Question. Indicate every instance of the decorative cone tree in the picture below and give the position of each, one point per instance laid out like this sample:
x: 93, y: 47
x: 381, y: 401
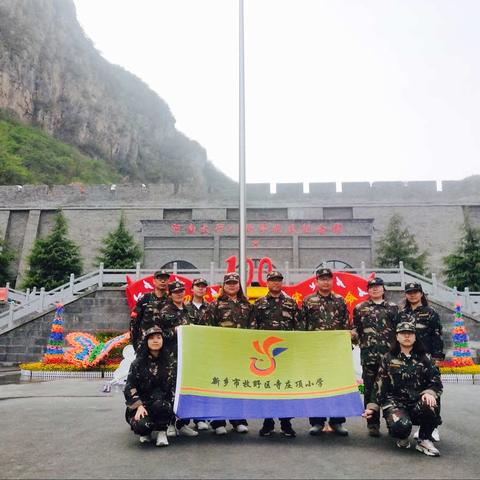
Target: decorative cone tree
x: 54, y: 353
x: 462, y: 355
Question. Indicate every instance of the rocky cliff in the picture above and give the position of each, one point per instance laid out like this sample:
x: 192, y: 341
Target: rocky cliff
x: 52, y: 76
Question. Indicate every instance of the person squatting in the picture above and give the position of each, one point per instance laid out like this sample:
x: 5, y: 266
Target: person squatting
x: 399, y: 350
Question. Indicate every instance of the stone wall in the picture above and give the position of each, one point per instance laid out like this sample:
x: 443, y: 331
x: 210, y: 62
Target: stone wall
x: 433, y: 216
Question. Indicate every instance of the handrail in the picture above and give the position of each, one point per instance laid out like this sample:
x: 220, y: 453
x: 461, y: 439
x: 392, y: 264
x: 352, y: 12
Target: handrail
x: 24, y: 304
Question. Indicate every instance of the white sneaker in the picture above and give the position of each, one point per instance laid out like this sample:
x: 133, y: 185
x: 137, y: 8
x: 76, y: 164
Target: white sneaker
x: 145, y: 438
x: 202, y: 425
x: 171, y: 432
x: 415, y: 435
x: 403, y: 443
x: 186, y: 431
x: 162, y: 440
x: 316, y: 429
x: 241, y: 429
x: 220, y: 431
x: 436, y: 435
x: 428, y: 448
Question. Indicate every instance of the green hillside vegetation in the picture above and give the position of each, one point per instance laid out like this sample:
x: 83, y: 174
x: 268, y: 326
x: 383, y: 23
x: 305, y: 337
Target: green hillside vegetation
x: 28, y: 155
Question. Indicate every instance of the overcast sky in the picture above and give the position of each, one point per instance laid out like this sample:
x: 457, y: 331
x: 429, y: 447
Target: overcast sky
x: 336, y: 90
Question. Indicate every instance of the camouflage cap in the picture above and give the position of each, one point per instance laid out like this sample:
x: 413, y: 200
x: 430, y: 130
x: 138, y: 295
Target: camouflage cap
x: 199, y: 281
x: 274, y: 274
x: 413, y: 287
x: 161, y: 273
x: 153, y: 330
x: 406, y: 327
x: 323, y: 272
x: 231, y: 277
x: 376, y: 281
x: 176, y: 286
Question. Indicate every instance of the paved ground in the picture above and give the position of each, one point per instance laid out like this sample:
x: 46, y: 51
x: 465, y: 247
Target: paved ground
x: 69, y: 429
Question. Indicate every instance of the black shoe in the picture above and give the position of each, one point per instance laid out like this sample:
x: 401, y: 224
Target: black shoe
x: 339, y: 429
x: 316, y: 429
x: 266, y: 431
x: 288, y: 431
x: 374, y: 430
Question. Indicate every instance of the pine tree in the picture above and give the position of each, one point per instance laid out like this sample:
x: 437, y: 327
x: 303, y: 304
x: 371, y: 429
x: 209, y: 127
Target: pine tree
x: 398, y: 244
x: 463, y: 266
x: 120, y: 248
x: 53, y: 258
x: 6, y: 257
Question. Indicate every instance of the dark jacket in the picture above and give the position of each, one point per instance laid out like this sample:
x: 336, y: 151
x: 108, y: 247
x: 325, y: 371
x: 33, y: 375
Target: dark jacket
x: 429, y: 328
x: 275, y: 313
x: 374, y: 324
x: 402, y: 380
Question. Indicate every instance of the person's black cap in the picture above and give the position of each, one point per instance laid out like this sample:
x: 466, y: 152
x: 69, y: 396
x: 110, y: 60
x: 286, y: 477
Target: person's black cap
x: 413, y: 287
x: 323, y: 272
x: 274, y: 275
x: 176, y: 286
x: 406, y: 327
x: 153, y: 330
x: 162, y: 273
x: 377, y: 281
x: 231, y: 277
x: 199, y: 281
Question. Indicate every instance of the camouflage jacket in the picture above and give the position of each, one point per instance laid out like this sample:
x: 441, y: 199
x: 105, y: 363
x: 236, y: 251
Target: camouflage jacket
x: 374, y: 324
x: 402, y: 380
x: 324, y: 313
x: 225, y: 312
x: 171, y: 317
x: 145, y: 315
x: 275, y: 313
x: 148, y: 380
x: 429, y: 328
x: 197, y: 315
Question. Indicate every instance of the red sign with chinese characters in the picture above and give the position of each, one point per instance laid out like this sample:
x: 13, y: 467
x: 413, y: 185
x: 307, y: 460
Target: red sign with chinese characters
x: 256, y: 229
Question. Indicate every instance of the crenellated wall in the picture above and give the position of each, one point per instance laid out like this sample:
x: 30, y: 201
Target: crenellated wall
x: 42, y: 196
x: 433, y: 215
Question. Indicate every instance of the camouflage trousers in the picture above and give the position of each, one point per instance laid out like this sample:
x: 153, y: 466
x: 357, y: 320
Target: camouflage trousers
x: 369, y: 373
x: 401, y: 418
x: 159, y: 414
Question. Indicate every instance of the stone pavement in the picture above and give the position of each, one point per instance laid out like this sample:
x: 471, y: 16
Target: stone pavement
x: 70, y: 429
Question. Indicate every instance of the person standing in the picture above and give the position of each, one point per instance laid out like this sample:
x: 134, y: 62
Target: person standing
x: 173, y: 315
x: 197, y: 307
x: 427, y: 324
x: 373, y: 328
x: 230, y: 310
x: 197, y: 310
x: 408, y: 388
x: 148, y: 390
x: 275, y: 311
x: 147, y: 310
x: 325, y: 310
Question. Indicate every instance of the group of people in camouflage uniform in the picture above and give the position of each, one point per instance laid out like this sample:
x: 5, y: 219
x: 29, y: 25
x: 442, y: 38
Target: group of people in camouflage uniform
x: 399, y: 375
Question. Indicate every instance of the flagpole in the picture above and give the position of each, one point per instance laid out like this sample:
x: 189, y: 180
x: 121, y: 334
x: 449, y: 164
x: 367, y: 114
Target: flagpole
x: 241, y: 162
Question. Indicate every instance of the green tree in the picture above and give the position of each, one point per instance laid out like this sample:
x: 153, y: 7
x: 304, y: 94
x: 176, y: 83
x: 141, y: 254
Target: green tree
x: 120, y: 249
x: 6, y: 257
x: 398, y: 244
x: 53, y: 258
x: 463, y: 266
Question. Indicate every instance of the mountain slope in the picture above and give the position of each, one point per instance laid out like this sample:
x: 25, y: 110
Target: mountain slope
x: 28, y: 155
x: 52, y: 76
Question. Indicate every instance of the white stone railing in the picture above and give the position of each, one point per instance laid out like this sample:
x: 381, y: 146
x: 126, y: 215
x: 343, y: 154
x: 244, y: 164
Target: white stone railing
x: 23, y: 305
